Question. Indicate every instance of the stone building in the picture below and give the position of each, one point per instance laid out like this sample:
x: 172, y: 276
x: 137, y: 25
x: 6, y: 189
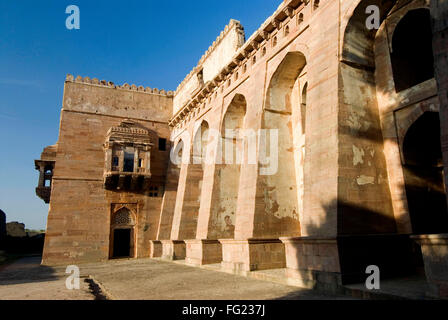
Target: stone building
x: 359, y: 177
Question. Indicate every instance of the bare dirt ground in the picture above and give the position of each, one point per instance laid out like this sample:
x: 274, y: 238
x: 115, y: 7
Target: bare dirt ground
x: 142, y: 279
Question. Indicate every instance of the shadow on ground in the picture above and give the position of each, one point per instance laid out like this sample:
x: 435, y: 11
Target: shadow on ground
x: 24, y: 270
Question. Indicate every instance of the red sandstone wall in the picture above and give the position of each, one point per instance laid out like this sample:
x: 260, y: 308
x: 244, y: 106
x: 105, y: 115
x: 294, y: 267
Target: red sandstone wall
x: 78, y: 224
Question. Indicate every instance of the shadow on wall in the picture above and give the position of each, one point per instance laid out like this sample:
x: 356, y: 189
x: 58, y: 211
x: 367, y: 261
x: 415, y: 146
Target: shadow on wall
x: 368, y: 237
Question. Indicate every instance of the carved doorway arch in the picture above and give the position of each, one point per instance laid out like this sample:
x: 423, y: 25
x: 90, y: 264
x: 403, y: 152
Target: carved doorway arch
x: 122, y: 234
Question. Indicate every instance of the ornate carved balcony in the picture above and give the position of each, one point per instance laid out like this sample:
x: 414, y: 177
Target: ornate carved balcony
x: 127, y: 157
x: 45, y: 166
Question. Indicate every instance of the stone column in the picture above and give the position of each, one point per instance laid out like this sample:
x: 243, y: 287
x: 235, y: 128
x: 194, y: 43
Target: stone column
x: 41, y: 176
x: 136, y: 155
x: 121, y: 160
x: 147, y: 160
x: 108, y: 158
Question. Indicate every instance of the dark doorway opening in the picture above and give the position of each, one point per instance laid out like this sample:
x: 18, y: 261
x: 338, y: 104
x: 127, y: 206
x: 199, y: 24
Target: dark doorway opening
x: 122, y: 243
x: 412, y: 54
x: 423, y: 171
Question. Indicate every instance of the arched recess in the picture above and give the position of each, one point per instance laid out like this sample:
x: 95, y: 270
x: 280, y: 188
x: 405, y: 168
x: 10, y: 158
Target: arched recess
x: 364, y: 203
x: 170, y: 194
x: 278, y: 215
x: 402, y: 65
x: 227, y: 170
x: 177, y: 153
x: 423, y: 172
x: 122, y: 235
x: 193, y: 182
x: 358, y: 40
x: 412, y: 56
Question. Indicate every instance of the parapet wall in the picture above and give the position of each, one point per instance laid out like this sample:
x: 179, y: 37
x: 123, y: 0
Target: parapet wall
x: 127, y: 101
x: 211, y: 63
x: 110, y: 84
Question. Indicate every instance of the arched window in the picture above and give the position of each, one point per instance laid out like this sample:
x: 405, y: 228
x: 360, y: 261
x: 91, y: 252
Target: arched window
x: 412, y: 56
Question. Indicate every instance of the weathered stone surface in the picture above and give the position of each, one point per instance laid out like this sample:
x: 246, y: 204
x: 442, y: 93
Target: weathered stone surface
x: 358, y: 139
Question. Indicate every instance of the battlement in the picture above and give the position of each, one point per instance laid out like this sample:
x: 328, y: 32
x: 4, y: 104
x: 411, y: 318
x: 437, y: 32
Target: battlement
x: 233, y: 23
x: 110, y: 84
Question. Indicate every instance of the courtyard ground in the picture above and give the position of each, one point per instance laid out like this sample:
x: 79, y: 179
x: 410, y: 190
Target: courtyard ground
x: 139, y: 279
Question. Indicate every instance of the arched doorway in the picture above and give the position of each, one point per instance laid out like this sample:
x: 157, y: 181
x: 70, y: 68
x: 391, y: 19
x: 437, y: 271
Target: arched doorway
x: 122, y: 234
x: 423, y: 172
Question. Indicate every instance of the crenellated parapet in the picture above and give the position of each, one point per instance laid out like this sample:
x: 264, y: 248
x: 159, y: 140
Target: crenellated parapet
x: 110, y: 84
x: 276, y: 26
x: 233, y: 23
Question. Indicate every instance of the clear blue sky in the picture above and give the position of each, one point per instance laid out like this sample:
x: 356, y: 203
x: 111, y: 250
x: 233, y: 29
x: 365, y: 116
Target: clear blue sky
x: 142, y: 42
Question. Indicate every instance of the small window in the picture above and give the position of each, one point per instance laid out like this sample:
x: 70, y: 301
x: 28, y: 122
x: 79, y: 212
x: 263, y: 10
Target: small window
x: 153, y: 192
x: 140, y: 163
x: 162, y: 144
x: 200, y: 76
x: 115, y: 161
x: 47, y: 183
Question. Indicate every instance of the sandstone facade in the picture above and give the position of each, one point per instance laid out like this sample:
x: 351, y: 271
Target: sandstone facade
x: 360, y: 126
